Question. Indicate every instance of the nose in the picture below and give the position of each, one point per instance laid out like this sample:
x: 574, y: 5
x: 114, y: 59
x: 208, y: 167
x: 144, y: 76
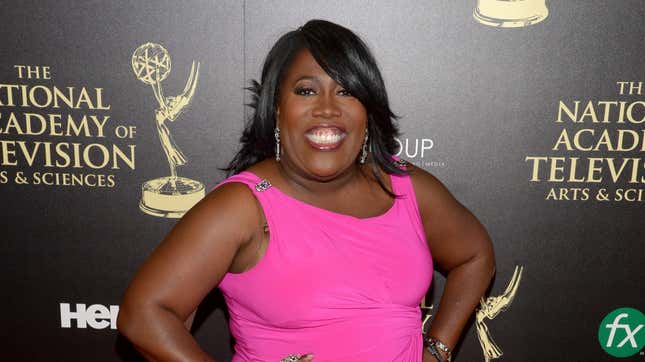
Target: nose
x: 327, y: 106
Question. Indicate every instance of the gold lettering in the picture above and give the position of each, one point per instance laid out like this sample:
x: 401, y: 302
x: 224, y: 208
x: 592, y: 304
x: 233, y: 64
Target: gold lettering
x: 34, y: 100
x: 77, y: 155
x: 621, y: 113
x: 68, y: 100
x: 536, y: 166
x: 99, y: 100
x: 620, y: 143
x: 573, y: 115
x: 54, y: 123
x: 8, y: 152
x: 593, y: 170
x: 63, y: 154
x: 12, y: 123
x: 29, y: 156
x: 9, y: 88
x: 48, y: 154
x: 572, y: 171
x: 576, y: 139
x: 119, y: 154
x: 76, y: 128
x: 551, y: 195
x: 630, y: 114
x: 104, y: 153
x: 28, y: 123
x: 556, y: 168
x: 604, y: 140
x: 99, y: 124
x: 612, y: 168
x: 589, y: 112
x: 85, y: 99
x: 607, y: 109
x: 563, y: 138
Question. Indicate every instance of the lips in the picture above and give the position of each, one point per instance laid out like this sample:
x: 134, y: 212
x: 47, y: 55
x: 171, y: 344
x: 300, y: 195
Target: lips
x: 325, y: 137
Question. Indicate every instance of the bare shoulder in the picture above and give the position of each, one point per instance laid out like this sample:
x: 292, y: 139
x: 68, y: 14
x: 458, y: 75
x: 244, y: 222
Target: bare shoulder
x: 231, y: 204
x: 224, y: 221
x: 234, y: 194
x: 212, y: 231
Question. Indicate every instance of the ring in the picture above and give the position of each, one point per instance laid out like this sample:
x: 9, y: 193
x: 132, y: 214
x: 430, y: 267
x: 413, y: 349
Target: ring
x: 291, y: 358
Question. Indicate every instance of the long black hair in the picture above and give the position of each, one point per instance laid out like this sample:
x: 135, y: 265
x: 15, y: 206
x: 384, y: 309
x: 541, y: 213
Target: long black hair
x: 348, y: 61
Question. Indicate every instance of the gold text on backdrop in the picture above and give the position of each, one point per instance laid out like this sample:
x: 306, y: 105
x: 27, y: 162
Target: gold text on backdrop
x: 598, y: 150
x: 60, y: 135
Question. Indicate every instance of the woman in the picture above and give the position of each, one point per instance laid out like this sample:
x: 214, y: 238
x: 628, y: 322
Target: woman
x: 321, y: 240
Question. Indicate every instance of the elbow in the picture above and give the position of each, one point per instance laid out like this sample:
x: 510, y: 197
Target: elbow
x: 483, y: 261
x: 131, y: 320
x: 491, y: 269
x: 488, y: 256
x: 125, y: 320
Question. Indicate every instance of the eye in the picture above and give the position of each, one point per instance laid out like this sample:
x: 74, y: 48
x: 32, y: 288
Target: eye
x: 344, y: 92
x: 304, y: 91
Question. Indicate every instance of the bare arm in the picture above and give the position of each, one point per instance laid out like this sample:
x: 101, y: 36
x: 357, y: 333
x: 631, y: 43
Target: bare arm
x: 461, y: 248
x: 189, y: 262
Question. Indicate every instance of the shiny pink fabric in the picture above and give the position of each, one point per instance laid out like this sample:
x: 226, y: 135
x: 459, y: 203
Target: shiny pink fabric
x: 340, y: 287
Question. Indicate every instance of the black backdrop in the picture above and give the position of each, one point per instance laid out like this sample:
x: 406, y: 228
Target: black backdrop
x: 489, y: 110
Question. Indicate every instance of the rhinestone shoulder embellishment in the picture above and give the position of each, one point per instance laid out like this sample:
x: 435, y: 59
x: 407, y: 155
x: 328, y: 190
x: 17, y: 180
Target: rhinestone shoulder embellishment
x: 400, y: 163
x: 262, y: 185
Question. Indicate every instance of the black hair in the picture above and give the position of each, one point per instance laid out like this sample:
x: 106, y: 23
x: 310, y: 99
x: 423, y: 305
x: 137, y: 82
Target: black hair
x: 347, y: 60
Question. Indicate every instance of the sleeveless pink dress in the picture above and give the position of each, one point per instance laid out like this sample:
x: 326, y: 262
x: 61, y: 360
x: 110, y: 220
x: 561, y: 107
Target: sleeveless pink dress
x: 340, y: 287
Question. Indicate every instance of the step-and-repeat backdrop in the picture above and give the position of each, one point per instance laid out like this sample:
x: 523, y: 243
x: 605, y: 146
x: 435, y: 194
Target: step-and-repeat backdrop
x: 115, y: 118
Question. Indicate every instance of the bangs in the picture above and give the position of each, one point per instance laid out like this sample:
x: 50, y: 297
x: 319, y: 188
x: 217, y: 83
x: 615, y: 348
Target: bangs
x: 345, y: 58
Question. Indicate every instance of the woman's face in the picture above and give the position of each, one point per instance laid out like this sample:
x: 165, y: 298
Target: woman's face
x: 322, y: 126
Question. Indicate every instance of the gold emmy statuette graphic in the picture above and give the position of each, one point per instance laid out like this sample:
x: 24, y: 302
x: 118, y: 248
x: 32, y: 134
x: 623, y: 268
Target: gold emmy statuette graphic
x: 490, y: 308
x: 428, y: 309
x: 169, y: 196
x: 510, y: 13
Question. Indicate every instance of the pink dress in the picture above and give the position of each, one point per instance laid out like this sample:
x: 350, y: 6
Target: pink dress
x: 340, y: 287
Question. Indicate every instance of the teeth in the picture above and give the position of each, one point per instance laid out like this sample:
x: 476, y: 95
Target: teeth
x: 323, y: 136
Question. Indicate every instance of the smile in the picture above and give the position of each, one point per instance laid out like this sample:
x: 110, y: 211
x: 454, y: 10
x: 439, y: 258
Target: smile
x: 325, y: 138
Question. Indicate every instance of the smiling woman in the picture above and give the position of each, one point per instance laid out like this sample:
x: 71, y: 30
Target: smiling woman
x: 322, y: 125
x: 306, y: 66
x: 321, y: 241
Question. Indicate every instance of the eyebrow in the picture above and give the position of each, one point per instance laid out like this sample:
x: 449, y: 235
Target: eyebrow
x: 307, y: 77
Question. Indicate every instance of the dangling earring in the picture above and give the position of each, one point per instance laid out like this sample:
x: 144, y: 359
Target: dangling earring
x: 364, y: 150
x: 276, y: 133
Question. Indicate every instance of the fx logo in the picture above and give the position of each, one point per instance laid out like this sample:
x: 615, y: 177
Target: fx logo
x: 620, y: 333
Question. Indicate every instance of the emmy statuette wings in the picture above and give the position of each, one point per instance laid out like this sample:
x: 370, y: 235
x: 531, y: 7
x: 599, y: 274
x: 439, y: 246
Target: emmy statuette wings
x: 490, y: 308
x: 170, y: 196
